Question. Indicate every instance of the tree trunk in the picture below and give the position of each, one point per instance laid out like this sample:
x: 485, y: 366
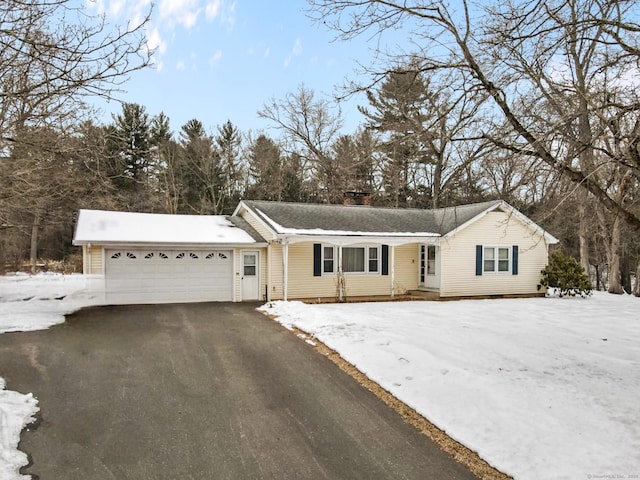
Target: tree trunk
x: 615, y: 286
x: 437, y: 182
x: 625, y: 272
x: 583, y: 231
x: 636, y: 288
x: 35, y: 230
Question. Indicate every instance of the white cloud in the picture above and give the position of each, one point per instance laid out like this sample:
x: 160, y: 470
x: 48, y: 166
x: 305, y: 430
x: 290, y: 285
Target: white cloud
x: 212, y: 10
x: 213, y: 59
x: 297, y: 47
x: 182, y: 12
x: 180, y: 66
x: 266, y: 52
x: 155, y: 41
x: 116, y: 7
x: 295, y: 52
x: 95, y: 6
x: 166, y: 18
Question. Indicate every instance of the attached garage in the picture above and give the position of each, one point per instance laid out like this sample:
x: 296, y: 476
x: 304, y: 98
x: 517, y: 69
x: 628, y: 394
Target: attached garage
x: 157, y: 258
x: 168, y: 276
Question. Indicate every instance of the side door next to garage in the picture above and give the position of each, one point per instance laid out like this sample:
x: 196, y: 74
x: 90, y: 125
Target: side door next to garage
x: 168, y: 276
x: 250, y: 275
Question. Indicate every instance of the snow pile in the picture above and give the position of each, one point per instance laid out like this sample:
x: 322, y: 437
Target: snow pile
x: 31, y: 302
x: 540, y: 388
x: 34, y: 302
x: 16, y: 412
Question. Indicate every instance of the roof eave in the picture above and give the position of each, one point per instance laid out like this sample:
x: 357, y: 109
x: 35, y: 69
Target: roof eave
x: 352, y: 239
x: 189, y: 245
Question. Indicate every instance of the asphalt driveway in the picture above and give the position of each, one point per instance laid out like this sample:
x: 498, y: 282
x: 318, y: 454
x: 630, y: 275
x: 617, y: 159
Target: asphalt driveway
x: 202, y: 391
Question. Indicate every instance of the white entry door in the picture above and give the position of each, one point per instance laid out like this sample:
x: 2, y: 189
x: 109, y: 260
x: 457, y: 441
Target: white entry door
x: 250, y: 276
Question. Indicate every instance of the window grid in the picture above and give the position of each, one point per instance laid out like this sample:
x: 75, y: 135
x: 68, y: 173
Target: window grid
x: 496, y: 259
x: 355, y: 259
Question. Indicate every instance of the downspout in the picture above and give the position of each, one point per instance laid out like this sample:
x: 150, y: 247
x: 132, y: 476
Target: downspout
x: 285, y: 269
x: 268, y: 299
x: 393, y: 270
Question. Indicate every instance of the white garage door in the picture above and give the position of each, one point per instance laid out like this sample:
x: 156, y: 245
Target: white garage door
x: 168, y: 276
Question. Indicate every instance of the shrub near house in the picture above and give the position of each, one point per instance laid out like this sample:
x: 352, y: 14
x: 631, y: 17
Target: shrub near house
x: 567, y: 275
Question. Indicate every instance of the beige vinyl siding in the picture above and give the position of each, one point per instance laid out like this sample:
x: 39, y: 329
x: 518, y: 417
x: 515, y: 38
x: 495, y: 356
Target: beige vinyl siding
x: 257, y: 225
x: 92, y: 260
x: 275, y: 265
x: 302, y: 283
x: 458, y: 258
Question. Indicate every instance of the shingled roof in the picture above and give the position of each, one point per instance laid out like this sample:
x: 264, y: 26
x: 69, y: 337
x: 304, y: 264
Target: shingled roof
x: 338, y: 219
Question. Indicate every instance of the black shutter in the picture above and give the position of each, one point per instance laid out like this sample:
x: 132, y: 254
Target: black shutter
x: 514, y: 260
x: 478, y: 259
x: 385, y: 259
x: 317, y: 260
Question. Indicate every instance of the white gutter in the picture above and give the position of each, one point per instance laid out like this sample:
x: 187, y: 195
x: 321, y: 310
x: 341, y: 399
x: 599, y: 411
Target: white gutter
x: 431, y: 239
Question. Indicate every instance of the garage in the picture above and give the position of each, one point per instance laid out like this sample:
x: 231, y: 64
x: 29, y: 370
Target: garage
x: 135, y: 258
x: 168, y: 276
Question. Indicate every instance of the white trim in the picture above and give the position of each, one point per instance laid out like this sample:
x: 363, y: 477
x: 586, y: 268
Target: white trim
x: 392, y: 257
x: 240, y: 206
x: 509, y: 270
x: 337, y: 259
x: 285, y: 270
x: 234, y: 275
x: 255, y: 216
x: 421, y: 283
x: 509, y: 210
x: 175, y: 246
x: 348, y: 240
x: 268, y: 281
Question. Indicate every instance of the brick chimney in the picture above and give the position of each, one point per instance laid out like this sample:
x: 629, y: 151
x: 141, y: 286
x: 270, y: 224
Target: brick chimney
x: 355, y: 198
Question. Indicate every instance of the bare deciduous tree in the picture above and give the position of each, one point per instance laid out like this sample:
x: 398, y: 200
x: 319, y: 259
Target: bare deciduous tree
x: 53, y: 54
x: 501, y: 50
x: 309, y: 128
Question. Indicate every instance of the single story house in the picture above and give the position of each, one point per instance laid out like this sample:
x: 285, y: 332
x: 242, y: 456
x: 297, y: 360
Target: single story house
x: 277, y: 250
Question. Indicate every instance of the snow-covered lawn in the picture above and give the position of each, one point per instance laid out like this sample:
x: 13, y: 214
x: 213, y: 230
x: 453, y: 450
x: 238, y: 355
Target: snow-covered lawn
x: 543, y: 388
x: 30, y: 303
x: 540, y: 388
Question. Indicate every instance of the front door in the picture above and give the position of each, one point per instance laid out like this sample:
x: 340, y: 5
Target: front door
x: 250, y: 276
x: 429, y: 276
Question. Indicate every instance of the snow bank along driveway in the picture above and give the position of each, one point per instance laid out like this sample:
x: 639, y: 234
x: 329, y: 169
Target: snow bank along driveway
x: 543, y: 388
x: 30, y: 303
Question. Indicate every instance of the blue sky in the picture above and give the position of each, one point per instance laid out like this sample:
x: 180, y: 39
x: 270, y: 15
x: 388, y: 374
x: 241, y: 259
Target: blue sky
x: 219, y: 59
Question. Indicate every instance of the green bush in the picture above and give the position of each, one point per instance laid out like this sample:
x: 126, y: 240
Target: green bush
x: 567, y: 275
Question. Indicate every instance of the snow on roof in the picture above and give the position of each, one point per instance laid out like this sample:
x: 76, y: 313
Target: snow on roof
x: 101, y: 226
